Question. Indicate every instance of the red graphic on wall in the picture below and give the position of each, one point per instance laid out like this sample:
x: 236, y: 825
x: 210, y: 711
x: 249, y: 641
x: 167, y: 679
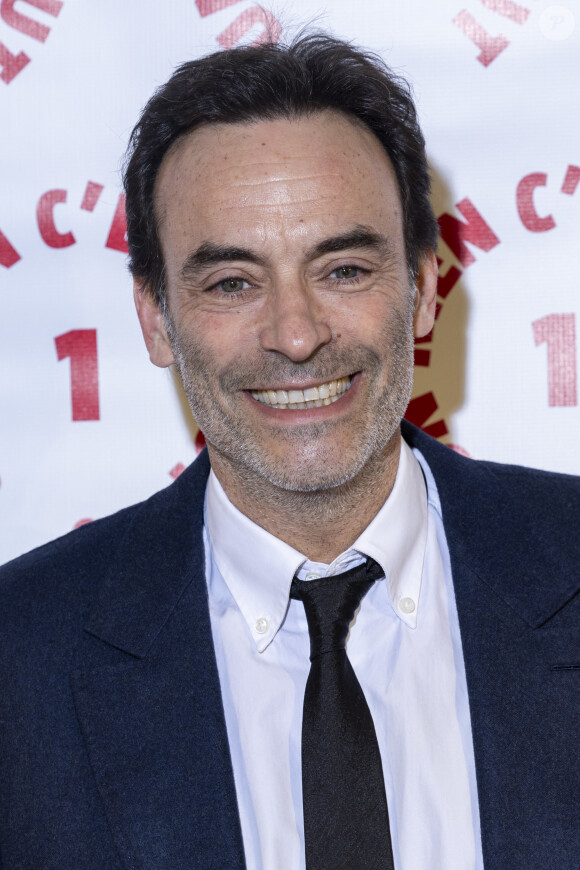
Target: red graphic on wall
x: 525, y: 201
x: 117, y: 239
x: 47, y: 222
x: 91, y: 196
x: 8, y: 253
x: 269, y: 26
x: 177, y: 470
x: 477, y: 232
x: 12, y: 64
x: 571, y: 180
x: 199, y: 441
x: 27, y: 25
x: 558, y: 331
x: 45, y: 219
x: 456, y: 234
x: 80, y: 346
x: 420, y: 409
x: 490, y: 47
x: 208, y: 7
x: 80, y: 523
x: 511, y: 10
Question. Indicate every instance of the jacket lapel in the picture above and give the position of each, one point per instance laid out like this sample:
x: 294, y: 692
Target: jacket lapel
x: 515, y: 575
x: 511, y: 526
x: 148, y: 698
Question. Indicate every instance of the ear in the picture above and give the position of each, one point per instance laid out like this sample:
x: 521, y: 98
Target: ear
x: 426, y: 294
x: 152, y: 325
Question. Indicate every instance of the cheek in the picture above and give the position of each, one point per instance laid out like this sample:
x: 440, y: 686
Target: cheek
x: 217, y: 343
x: 359, y: 319
x: 384, y: 326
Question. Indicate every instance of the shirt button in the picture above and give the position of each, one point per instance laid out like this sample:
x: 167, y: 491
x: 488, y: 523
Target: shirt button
x: 407, y: 605
x: 262, y: 625
x: 312, y: 575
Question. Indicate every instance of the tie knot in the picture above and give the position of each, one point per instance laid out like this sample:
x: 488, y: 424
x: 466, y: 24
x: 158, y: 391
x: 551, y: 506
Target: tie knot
x: 330, y: 604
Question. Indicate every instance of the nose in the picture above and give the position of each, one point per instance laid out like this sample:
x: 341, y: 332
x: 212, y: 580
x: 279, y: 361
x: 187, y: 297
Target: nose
x: 295, y: 323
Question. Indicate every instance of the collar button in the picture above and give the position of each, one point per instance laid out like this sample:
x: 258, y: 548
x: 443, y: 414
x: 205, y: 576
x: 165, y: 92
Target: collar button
x: 262, y: 625
x: 312, y: 575
x: 406, y: 605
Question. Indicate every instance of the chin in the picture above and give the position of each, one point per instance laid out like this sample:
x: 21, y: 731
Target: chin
x: 301, y: 482
x: 321, y: 472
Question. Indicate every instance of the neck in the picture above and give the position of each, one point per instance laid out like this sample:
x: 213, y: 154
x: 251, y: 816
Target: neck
x: 320, y: 524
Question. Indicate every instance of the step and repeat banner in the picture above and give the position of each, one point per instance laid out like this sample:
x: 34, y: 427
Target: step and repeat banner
x: 88, y: 425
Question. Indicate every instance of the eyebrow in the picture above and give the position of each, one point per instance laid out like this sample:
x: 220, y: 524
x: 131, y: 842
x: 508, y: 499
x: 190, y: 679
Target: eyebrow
x: 209, y: 254
x: 359, y: 237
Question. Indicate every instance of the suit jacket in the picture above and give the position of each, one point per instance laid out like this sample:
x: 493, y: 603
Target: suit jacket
x: 113, y: 745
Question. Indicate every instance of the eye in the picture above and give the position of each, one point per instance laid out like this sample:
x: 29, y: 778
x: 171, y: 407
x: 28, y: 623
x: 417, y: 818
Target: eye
x: 231, y: 285
x: 346, y: 273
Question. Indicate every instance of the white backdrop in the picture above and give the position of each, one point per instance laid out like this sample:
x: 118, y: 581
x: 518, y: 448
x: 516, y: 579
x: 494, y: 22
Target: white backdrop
x: 88, y: 425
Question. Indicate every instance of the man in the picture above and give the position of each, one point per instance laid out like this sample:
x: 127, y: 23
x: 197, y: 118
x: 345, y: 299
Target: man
x: 160, y: 709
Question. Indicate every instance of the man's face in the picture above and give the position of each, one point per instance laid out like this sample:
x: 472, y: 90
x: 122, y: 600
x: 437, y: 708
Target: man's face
x: 290, y: 309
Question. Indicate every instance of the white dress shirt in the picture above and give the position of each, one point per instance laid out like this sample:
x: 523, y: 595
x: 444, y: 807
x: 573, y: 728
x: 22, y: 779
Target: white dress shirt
x: 405, y: 648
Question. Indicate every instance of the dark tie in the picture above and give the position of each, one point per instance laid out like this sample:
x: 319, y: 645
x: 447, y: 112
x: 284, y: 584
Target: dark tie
x: 346, y: 821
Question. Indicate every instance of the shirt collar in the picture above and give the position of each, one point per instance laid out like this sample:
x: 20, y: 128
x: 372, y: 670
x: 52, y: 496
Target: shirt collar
x: 258, y: 568
x: 397, y: 537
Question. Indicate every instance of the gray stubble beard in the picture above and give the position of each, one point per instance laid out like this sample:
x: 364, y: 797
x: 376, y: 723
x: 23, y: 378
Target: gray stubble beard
x: 244, y: 456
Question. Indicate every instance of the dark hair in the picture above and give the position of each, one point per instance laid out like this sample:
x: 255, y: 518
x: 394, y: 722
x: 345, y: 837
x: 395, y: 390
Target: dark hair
x: 263, y: 82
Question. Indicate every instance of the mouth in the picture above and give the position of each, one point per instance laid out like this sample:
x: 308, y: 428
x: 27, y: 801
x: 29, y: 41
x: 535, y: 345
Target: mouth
x: 311, y: 397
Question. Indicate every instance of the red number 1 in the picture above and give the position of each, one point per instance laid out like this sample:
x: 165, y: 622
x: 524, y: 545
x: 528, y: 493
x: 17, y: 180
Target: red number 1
x: 80, y: 345
x: 558, y: 331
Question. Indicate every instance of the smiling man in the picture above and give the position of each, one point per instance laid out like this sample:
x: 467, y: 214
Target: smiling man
x: 326, y: 645
x: 290, y: 313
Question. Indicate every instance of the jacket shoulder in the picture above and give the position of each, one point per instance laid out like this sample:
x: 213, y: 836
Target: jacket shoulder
x: 515, y: 527
x: 465, y: 471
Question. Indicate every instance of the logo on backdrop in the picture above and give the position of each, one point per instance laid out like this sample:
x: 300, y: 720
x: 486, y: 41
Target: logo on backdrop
x: 555, y: 23
x: 11, y: 64
x: 255, y: 22
x: 558, y: 331
x: 490, y: 45
x: 46, y: 221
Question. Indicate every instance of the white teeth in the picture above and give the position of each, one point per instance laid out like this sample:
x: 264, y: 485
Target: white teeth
x: 312, y: 397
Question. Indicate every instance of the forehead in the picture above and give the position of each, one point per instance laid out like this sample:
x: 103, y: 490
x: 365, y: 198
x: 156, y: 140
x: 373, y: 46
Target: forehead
x: 311, y: 170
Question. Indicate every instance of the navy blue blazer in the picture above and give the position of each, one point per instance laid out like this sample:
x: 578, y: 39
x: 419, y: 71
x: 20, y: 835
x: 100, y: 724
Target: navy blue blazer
x: 113, y: 745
